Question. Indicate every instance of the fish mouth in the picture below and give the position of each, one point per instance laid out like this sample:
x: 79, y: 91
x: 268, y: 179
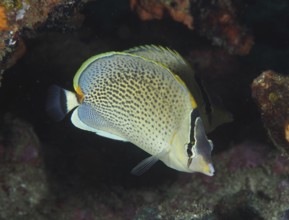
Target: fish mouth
x: 211, y: 170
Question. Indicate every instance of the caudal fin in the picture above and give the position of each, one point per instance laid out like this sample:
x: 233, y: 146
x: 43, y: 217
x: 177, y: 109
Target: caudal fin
x: 60, y: 102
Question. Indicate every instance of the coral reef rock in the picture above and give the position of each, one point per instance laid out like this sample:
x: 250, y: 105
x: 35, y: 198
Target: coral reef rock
x: 23, y: 183
x: 179, y: 10
x: 216, y: 20
x: 19, y: 15
x: 271, y: 91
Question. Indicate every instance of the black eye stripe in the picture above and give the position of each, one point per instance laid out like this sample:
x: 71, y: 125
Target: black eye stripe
x: 194, y: 115
x: 189, y: 162
x: 189, y: 149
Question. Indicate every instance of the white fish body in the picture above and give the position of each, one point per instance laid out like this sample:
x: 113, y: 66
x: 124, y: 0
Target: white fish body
x: 129, y: 97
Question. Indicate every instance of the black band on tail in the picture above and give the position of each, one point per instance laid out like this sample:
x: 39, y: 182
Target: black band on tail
x: 56, y: 105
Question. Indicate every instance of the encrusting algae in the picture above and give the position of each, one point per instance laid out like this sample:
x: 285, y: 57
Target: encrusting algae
x: 3, y: 19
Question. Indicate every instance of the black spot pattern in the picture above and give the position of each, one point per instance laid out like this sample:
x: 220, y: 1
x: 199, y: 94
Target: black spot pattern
x: 139, y: 98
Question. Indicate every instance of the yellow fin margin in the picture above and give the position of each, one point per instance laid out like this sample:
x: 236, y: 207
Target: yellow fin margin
x: 93, y: 58
x: 193, y: 101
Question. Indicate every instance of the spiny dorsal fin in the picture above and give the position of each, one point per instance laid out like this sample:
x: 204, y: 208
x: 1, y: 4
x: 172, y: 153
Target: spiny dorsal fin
x: 163, y: 55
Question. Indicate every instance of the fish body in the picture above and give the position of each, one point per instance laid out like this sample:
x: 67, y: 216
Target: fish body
x: 138, y: 96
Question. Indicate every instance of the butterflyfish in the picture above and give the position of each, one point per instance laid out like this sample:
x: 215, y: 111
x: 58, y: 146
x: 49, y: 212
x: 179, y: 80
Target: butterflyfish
x: 139, y: 96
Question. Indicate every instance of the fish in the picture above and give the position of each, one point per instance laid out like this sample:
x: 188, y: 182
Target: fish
x: 139, y: 96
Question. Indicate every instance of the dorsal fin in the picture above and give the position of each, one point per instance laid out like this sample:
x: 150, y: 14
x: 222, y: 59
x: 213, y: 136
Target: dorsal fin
x: 165, y: 56
x: 185, y: 75
x: 172, y: 60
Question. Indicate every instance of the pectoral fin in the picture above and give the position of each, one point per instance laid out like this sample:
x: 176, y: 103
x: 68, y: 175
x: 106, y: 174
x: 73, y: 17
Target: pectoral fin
x: 144, y: 165
x: 147, y: 163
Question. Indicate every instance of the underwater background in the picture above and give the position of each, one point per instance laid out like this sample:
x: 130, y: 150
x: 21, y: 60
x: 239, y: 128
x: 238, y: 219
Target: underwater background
x: 239, y: 50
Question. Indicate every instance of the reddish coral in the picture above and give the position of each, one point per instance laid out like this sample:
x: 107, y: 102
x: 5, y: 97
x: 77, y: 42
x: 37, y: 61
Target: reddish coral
x: 217, y: 20
x: 221, y: 25
x: 151, y: 9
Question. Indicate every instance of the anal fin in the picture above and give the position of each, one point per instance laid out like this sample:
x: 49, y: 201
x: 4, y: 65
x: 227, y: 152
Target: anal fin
x: 87, y: 119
